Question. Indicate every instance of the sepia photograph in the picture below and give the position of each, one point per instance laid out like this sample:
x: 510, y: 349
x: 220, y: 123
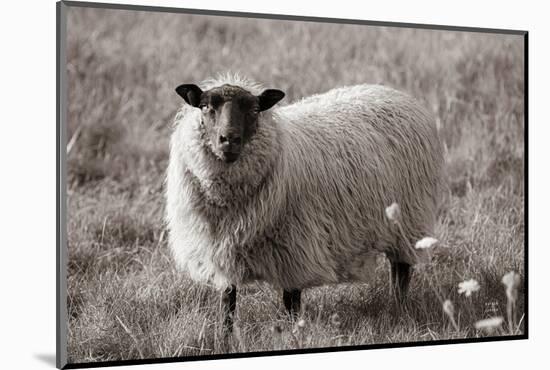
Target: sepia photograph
x: 241, y: 185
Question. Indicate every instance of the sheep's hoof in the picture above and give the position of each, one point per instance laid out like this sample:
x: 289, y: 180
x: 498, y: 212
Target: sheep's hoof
x: 401, y: 277
x: 229, y: 303
x: 292, y: 301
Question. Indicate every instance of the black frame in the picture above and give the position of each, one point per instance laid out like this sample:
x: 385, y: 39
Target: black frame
x: 61, y: 235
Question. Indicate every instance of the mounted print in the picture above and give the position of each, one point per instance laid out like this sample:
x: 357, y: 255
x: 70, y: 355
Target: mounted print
x: 234, y: 184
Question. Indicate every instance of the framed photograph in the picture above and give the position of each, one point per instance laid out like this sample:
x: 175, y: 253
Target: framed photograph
x: 236, y: 184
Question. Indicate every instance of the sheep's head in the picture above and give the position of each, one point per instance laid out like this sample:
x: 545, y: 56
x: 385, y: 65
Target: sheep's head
x: 229, y: 115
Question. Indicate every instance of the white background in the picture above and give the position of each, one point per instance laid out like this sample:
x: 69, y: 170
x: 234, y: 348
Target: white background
x: 27, y: 203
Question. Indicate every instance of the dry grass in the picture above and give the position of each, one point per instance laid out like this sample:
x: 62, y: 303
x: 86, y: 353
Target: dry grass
x: 126, y: 300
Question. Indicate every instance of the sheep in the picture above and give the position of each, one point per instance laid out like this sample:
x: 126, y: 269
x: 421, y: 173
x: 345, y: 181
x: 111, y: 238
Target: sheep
x: 295, y: 195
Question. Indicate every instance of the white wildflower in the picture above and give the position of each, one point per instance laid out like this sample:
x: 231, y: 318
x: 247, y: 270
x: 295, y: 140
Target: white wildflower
x: 301, y: 324
x: 468, y: 287
x: 511, y: 280
x: 449, y: 308
x: 393, y: 212
x: 489, y: 325
x: 425, y: 243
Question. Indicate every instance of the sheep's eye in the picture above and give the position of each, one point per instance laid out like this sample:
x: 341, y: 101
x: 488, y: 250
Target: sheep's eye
x: 207, y: 109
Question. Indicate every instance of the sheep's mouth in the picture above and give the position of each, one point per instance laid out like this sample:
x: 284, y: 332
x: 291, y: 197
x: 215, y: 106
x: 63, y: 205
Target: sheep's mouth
x: 230, y: 157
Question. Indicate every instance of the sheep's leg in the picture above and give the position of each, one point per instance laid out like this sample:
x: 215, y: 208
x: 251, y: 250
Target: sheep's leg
x: 401, y: 277
x: 292, y: 300
x: 229, y: 302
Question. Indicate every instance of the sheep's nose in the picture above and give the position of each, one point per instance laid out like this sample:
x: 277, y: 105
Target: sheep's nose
x: 230, y: 140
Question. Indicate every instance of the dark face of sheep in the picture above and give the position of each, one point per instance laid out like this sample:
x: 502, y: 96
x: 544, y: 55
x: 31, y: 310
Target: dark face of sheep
x: 229, y: 115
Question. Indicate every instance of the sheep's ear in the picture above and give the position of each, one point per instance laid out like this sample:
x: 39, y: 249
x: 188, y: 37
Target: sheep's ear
x: 269, y: 98
x: 190, y: 93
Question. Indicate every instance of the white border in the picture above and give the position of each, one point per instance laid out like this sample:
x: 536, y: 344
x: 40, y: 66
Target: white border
x: 28, y: 181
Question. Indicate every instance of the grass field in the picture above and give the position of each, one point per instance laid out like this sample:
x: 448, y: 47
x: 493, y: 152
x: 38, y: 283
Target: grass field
x: 125, y: 298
